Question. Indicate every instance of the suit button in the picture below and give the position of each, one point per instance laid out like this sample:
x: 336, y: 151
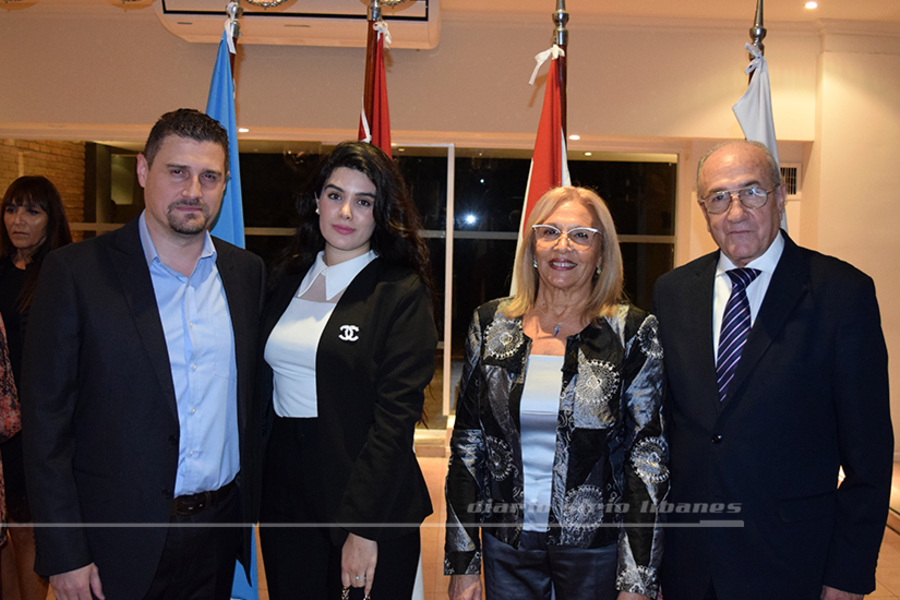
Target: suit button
x: 717, y: 438
x: 167, y: 493
x: 173, y: 439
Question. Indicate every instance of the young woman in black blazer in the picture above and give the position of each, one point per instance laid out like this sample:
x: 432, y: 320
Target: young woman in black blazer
x: 349, y: 350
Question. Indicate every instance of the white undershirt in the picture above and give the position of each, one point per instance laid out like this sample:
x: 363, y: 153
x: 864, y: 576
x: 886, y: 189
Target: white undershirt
x: 538, y: 413
x: 756, y: 291
x: 292, y: 345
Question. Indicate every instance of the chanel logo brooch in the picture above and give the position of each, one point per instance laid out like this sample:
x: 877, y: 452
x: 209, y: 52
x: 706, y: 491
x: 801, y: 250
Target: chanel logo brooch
x: 348, y: 333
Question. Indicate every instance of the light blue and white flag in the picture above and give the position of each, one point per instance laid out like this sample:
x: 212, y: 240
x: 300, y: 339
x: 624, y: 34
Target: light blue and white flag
x: 229, y: 225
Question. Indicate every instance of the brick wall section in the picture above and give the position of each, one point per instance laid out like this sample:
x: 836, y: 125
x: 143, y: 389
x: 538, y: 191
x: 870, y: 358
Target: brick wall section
x: 60, y: 162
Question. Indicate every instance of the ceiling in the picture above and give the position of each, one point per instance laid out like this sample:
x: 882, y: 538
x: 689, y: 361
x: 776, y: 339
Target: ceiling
x: 886, y: 11
x: 775, y: 10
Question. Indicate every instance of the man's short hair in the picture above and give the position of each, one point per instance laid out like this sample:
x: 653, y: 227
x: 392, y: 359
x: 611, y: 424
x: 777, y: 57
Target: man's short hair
x: 190, y: 124
x: 774, y: 167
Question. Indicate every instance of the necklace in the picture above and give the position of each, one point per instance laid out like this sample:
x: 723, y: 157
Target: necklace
x: 558, y: 323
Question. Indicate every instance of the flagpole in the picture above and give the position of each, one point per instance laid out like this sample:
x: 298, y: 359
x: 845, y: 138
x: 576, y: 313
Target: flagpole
x: 561, y: 38
x: 758, y: 32
x: 373, y: 15
x: 234, y: 12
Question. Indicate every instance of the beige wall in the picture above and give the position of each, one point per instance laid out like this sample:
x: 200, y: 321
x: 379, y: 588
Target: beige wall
x: 647, y: 86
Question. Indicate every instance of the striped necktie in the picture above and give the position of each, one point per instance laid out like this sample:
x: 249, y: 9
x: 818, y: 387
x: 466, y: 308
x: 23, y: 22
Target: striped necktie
x: 735, y: 327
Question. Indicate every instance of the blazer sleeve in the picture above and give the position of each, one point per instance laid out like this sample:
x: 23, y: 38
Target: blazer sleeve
x: 50, y: 394
x: 404, y: 369
x: 465, y: 489
x: 646, y: 474
x: 865, y: 442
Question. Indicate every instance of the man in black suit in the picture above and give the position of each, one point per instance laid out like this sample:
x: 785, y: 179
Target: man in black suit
x: 138, y: 371
x: 760, y: 423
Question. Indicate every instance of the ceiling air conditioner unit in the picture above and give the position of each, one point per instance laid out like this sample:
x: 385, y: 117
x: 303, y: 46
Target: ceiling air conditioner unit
x: 414, y: 24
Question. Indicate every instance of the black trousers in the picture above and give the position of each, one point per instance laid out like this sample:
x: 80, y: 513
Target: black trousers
x: 198, y: 562
x: 300, y: 559
x: 538, y: 571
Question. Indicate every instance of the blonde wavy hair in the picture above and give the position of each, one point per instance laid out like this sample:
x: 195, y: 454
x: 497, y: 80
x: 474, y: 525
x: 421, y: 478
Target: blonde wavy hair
x: 606, y: 292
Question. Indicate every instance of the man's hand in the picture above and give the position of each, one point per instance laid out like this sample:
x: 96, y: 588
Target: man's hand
x: 77, y: 584
x: 465, y: 587
x: 631, y: 596
x: 358, y: 559
x: 829, y: 593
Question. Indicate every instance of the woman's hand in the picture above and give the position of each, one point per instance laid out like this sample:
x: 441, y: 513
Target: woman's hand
x: 631, y: 596
x: 465, y: 587
x: 358, y: 558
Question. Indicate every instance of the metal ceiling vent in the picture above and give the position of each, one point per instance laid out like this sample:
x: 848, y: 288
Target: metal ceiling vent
x: 414, y: 24
x: 790, y: 175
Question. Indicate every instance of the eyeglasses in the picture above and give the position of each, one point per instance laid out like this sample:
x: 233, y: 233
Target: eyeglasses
x: 582, y: 237
x: 752, y: 197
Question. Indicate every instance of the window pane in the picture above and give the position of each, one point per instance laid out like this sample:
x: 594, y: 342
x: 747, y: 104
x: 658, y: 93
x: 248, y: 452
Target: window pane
x: 269, y: 183
x: 426, y: 177
x: 640, y: 195
x: 643, y: 264
x: 481, y: 272
x: 490, y: 192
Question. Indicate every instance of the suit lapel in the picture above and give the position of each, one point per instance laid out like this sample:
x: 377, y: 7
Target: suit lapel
x: 127, y: 256
x: 700, y: 325
x: 240, y: 315
x: 788, y: 285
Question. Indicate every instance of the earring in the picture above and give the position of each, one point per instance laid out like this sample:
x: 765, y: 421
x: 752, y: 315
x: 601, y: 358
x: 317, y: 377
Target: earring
x: 317, y: 210
x: 535, y: 263
x: 599, y: 269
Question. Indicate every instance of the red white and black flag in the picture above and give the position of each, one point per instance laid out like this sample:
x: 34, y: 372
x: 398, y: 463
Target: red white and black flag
x: 549, y: 165
x: 375, y: 120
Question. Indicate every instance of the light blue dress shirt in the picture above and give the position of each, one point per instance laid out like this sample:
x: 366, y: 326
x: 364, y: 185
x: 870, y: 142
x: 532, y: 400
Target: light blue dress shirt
x: 200, y: 341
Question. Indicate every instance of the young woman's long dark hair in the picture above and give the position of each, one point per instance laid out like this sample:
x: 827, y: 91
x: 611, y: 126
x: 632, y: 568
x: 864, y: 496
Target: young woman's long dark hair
x: 35, y: 190
x: 397, y: 223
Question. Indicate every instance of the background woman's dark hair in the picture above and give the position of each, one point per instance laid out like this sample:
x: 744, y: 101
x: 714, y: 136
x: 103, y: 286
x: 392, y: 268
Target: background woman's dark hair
x: 397, y: 223
x: 35, y: 190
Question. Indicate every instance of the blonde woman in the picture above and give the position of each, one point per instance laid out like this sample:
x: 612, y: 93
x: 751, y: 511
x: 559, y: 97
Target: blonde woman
x: 558, y: 455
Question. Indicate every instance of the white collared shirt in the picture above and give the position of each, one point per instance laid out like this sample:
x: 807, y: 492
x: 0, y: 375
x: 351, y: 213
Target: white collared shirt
x: 292, y: 345
x: 756, y: 291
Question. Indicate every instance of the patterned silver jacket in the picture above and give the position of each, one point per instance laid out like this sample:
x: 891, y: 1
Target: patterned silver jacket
x: 610, y: 466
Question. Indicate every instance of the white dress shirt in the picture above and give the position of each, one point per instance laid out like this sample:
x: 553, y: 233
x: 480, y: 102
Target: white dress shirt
x: 756, y: 291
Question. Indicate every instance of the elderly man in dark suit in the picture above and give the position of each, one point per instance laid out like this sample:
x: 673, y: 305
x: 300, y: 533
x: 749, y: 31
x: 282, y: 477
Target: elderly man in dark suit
x: 138, y: 372
x: 777, y: 378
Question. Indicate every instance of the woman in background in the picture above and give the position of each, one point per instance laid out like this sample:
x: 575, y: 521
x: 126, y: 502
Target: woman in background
x: 34, y: 223
x: 350, y: 341
x: 557, y: 454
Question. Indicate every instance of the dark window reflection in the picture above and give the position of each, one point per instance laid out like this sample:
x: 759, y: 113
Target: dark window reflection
x: 426, y: 177
x: 482, y: 271
x: 644, y: 264
x: 269, y: 183
x: 640, y: 196
x: 490, y: 192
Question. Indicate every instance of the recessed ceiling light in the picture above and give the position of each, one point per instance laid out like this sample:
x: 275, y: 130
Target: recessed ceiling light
x: 574, y: 136
x: 243, y: 130
x: 812, y: 5
x: 588, y: 153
